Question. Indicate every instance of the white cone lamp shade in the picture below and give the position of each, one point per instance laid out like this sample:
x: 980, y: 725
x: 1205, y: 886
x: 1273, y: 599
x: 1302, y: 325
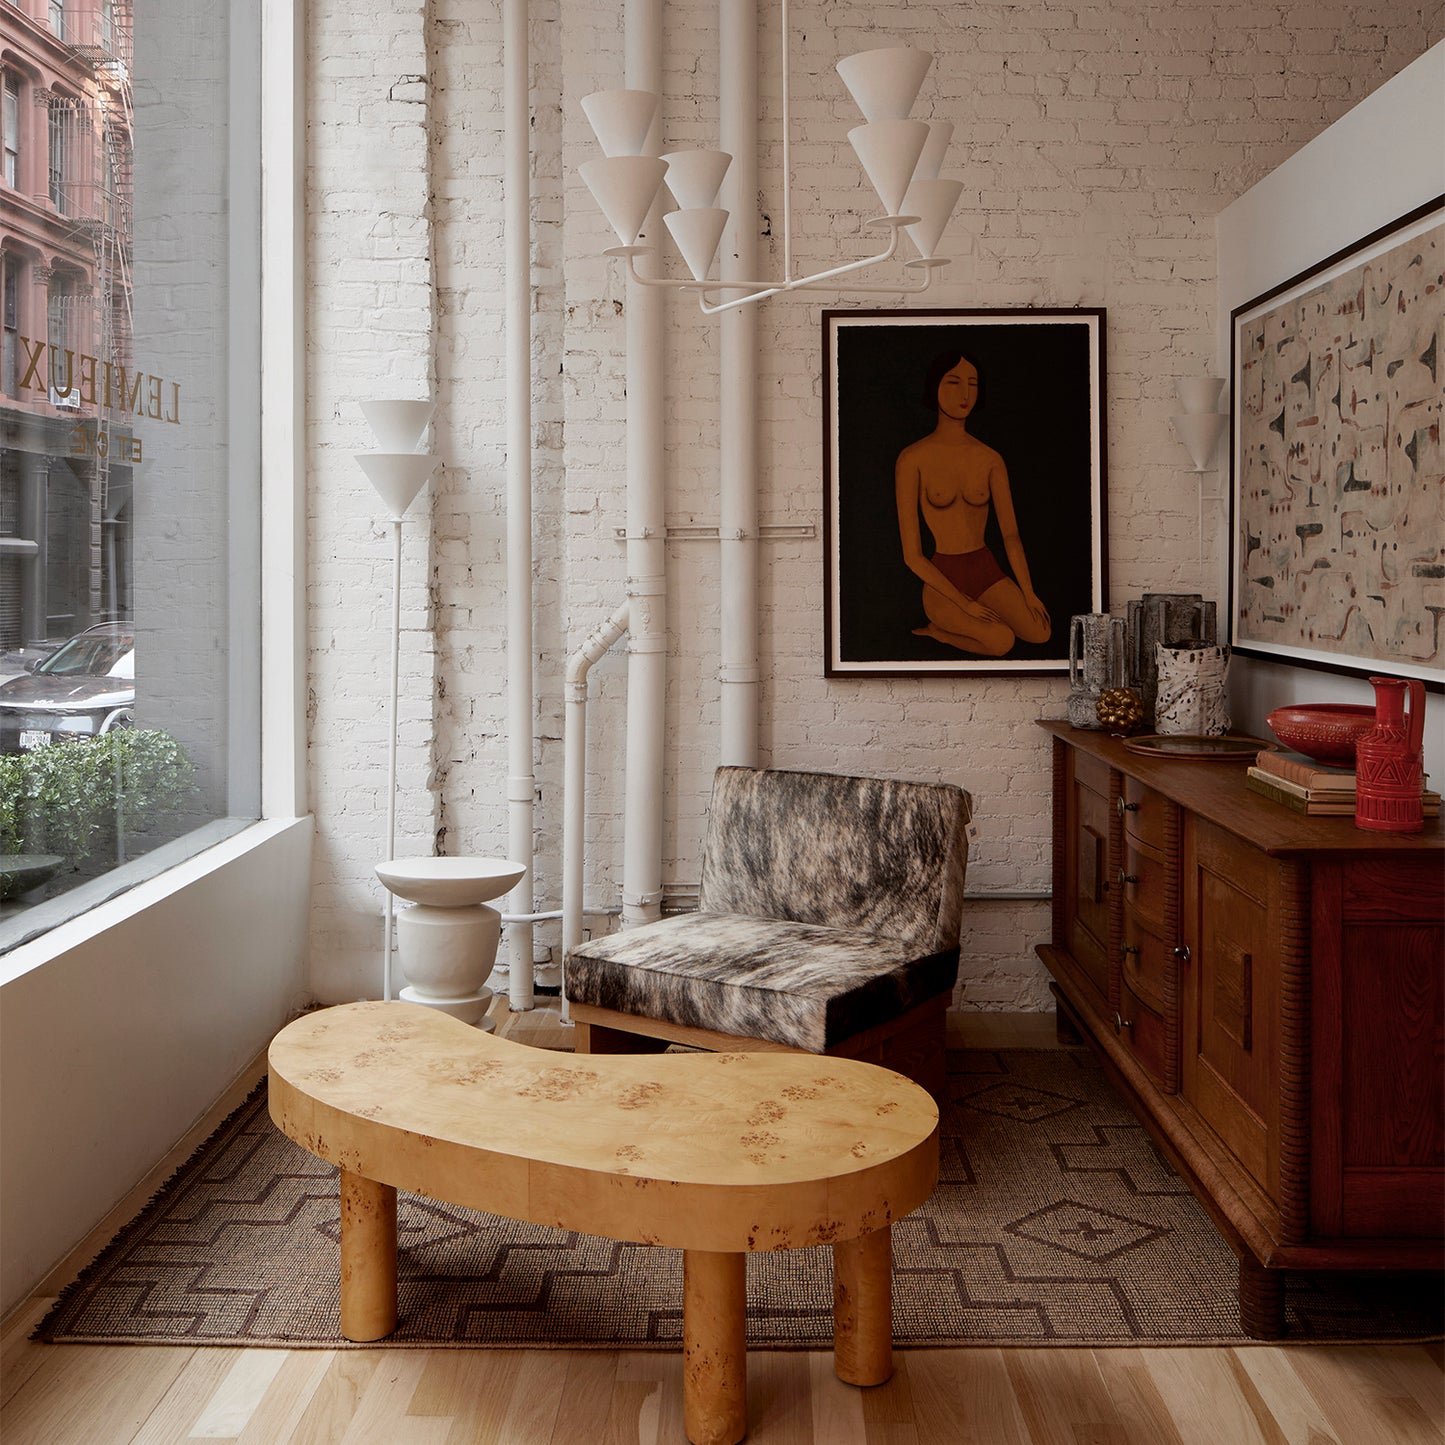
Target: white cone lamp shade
x: 884, y: 83
x: 933, y: 203
x: 1199, y: 395
x: 697, y: 234
x: 398, y: 425
x: 621, y: 119
x: 625, y: 188
x: 695, y: 177
x: 889, y: 151
x: 1200, y: 433
x: 397, y: 476
x: 930, y: 163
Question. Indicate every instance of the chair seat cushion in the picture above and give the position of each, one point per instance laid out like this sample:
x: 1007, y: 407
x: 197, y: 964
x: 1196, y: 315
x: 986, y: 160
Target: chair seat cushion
x: 793, y: 983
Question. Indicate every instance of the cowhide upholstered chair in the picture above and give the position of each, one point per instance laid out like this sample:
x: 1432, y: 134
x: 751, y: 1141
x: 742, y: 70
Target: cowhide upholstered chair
x: 828, y: 922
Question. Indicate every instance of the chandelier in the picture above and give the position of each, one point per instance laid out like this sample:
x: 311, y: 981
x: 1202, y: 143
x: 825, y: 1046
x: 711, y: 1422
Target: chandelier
x: 900, y: 157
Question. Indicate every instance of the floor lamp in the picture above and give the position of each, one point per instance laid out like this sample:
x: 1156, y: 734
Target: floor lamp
x: 398, y: 472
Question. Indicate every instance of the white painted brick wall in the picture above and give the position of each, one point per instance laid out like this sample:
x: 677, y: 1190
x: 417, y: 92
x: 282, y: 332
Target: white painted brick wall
x: 1096, y: 144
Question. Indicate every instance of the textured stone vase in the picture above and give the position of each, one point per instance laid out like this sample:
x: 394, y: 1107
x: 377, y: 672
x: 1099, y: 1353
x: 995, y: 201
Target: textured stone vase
x: 1164, y: 619
x: 1191, y: 695
x: 1096, y: 663
x: 1390, y: 760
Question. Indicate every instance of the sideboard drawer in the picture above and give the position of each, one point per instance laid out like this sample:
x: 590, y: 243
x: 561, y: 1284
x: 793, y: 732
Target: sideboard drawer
x: 1144, y: 813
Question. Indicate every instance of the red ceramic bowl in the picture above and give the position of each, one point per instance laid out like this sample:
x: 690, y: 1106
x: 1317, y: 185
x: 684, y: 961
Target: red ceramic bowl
x: 1324, y: 731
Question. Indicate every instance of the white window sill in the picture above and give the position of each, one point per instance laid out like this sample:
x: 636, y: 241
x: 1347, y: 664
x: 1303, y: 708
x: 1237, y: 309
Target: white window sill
x: 146, y: 882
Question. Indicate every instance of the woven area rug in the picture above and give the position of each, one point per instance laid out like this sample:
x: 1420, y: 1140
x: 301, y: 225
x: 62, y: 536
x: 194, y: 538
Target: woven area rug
x: 1055, y: 1222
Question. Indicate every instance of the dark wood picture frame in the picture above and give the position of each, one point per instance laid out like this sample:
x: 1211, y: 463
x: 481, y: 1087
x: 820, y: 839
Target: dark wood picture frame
x: 1038, y: 407
x: 1336, y: 478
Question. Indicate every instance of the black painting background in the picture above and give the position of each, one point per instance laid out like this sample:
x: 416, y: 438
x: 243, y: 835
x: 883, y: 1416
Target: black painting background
x: 1034, y: 408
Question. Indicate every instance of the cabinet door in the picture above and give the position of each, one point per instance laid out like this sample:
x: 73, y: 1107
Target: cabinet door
x: 1086, y: 871
x: 1230, y: 995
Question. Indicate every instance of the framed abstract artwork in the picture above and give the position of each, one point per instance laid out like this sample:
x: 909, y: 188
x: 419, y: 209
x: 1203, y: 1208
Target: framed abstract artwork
x: 964, y: 489
x: 1337, y: 487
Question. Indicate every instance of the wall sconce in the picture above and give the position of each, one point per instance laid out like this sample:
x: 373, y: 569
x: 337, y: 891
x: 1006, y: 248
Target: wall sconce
x: 1201, y: 425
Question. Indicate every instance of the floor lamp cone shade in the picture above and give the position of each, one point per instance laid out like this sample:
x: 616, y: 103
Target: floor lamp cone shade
x: 397, y: 476
x: 884, y: 83
x: 397, y: 425
x: 695, y: 177
x: 697, y: 234
x: 930, y: 163
x: 889, y: 151
x: 625, y: 188
x: 621, y: 119
x: 1199, y: 395
x: 932, y: 202
x: 1200, y: 433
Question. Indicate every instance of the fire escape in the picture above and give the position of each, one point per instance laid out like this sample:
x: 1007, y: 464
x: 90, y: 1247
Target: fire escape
x: 97, y: 201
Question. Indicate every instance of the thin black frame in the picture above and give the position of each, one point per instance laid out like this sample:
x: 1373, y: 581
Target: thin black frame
x: 866, y: 420
x: 1417, y: 221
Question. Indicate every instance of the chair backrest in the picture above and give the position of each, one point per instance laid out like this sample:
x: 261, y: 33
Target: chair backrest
x: 881, y: 856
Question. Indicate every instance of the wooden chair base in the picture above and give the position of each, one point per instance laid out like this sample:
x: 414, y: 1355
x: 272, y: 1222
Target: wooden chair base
x: 913, y: 1044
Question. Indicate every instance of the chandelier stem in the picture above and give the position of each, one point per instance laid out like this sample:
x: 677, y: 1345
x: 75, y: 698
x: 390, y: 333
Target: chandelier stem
x: 787, y: 164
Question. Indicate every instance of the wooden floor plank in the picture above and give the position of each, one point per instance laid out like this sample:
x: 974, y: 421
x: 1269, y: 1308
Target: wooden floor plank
x: 525, y: 1410
x: 586, y: 1378
x: 20, y: 1356
x: 964, y: 1397
x: 1363, y: 1402
x: 1297, y: 1416
x: 280, y: 1413
x: 91, y: 1393
x: 1063, y: 1399
x: 239, y: 1393
x: 185, y: 1402
x: 837, y: 1408
x: 384, y: 1410
x: 333, y: 1405
x: 1206, y: 1400
x: 780, y: 1406
x: 1142, y: 1411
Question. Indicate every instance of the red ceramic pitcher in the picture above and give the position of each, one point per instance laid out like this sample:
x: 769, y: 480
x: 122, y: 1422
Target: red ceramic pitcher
x: 1390, y: 760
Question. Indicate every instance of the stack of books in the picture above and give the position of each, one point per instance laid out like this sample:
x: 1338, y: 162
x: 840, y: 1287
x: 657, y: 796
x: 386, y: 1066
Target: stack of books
x: 1310, y: 787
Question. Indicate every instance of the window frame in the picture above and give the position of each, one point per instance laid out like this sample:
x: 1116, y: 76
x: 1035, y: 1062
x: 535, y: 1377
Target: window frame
x: 10, y: 129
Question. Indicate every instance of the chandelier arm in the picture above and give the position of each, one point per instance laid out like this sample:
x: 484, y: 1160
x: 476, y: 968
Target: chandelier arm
x: 871, y: 290
x: 812, y: 282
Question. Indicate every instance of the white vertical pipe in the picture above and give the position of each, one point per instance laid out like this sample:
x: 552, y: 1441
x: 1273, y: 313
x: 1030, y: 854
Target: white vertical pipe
x: 737, y: 452
x: 521, y: 782
x: 646, y: 530
x: 574, y: 821
x: 395, y: 699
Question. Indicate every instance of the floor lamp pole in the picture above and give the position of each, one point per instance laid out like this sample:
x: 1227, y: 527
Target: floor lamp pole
x: 391, y: 752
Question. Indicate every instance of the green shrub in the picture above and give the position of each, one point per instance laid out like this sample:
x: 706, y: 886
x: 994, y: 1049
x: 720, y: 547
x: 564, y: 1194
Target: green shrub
x: 75, y: 798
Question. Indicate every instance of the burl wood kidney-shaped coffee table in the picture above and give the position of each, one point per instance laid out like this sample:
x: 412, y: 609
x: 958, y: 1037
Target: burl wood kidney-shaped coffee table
x: 714, y: 1154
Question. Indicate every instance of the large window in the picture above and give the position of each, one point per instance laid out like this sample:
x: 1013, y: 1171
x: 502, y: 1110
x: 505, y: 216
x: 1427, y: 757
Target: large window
x: 130, y: 492
x: 10, y: 131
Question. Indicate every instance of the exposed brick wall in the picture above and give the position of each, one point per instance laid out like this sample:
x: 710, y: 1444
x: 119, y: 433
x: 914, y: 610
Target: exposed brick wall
x: 1096, y: 144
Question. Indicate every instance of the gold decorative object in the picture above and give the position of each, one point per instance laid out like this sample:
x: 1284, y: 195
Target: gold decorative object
x: 1120, y: 709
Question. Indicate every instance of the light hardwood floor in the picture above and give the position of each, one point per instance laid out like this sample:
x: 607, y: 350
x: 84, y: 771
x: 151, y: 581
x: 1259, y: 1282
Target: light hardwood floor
x: 1255, y: 1395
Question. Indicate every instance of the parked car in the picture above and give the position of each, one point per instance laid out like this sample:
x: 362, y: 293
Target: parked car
x: 84, y: 688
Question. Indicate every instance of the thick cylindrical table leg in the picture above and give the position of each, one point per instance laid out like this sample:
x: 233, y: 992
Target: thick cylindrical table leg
x: 368, y: 1258
x: 714, y: 1347
x: 863, y: 1308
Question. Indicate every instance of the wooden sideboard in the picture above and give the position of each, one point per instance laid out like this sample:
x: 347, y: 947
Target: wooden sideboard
x: 1268, y: 990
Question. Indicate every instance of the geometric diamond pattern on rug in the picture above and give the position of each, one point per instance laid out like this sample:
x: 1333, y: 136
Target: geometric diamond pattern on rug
x: 1084, y: 1230
x: 1055, y: 1221
x: 1017, y: 1101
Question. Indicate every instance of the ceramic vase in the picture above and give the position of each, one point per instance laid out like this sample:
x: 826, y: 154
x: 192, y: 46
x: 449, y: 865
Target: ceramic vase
x: 1190, y: 691
x: 1167, y: 619
x: 1390, y: 760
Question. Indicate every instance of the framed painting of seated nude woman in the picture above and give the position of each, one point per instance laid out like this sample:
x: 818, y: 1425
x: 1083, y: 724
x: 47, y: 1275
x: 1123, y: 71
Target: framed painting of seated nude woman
x: 964, y: 488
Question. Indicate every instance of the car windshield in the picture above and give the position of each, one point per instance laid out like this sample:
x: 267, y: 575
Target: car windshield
x: 112, y: 656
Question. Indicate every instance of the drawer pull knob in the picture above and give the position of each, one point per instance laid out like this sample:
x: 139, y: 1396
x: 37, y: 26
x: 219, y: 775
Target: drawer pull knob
x: 1124, y: 807
x: 1182, y: 953
x: 1131, y: 948
x: 1121, y: 1023
x: 1127, y: 878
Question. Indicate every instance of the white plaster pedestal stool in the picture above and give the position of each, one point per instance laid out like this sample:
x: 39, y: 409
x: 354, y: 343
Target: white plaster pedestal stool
x: 447, y: 940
